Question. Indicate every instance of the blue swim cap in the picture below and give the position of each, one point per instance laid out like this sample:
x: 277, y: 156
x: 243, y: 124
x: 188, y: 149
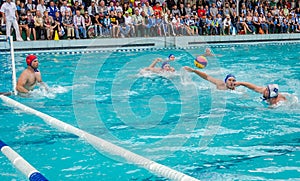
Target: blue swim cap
x: 228, y: 76
x: 170, y: 55
x: 163, y: 64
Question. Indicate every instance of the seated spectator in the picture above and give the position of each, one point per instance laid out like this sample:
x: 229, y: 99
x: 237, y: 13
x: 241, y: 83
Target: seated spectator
x: 118, y: 8
x: 249, y: 22
x: 79, y: 25
x: 158, y: 25
x: 107, y: 25
x: 52, y: 9
x: 148, y: 9
x: 129, y: 22
x: 194, y: 28
x: 67, y: 21
x: 114, y: 24
x: 215, y: 26
x: 167, y: 24
x: 58, y: 25
x: 234, y: 22
x: 270, y: 23
x: 64, y: 7
x: 31, y: 7
x: 102, y: 8
x: 189, y: 11
x: 39, y: 25
x: 263, y: 24
x: 242, y: 25
x: 148, y: 24
x: 186, y: 24
x: 48, y: 24
x: 178, y: 26
x: 256, y: 23
x: 88, y: 25
x: 138, y: 23
x: 41, y: 7
x: 123, y: 29
x: 22, y: 9
x: 127, y: 8
x: 227, y: 25
x: 31, y: 25
x: 157, y: 8
x: 23, y: 25
x: 93, y: 10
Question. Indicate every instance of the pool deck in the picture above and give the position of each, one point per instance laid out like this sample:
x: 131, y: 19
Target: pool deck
x: 152, y: 42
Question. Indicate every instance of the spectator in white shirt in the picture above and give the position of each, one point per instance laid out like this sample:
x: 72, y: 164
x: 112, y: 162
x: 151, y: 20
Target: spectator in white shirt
x: 79, y: 25
x: 10, y: 16
x: 41, y: 7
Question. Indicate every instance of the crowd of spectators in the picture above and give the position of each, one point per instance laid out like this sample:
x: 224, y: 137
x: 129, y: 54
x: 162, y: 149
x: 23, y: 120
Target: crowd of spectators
x: 69, y: 19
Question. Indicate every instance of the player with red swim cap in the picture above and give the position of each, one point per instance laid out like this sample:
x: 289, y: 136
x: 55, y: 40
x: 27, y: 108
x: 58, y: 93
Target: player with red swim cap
x: 30, y: 76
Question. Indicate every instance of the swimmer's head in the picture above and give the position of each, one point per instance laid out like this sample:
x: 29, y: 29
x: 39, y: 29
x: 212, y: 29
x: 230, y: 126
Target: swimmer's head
x: 229, y: 76
x: 171, y: 57
x: 30, y: 58
x: 166, y: 66
x: 230, y: 81
x: 271, y: 91
x: 208, y: 51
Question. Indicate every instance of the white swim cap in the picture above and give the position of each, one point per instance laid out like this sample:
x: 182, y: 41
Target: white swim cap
x: 273, y: 90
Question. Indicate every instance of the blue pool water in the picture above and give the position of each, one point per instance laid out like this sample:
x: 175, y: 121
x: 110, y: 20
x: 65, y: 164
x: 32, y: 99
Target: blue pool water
x: 178, y: 120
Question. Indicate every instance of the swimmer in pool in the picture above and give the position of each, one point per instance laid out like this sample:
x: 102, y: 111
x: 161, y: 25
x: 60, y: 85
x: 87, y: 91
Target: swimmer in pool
x: 165, y: 67
x: 208, y: 53
x: 227, y: 84
x: 270, y: 93
x: 30, y: 76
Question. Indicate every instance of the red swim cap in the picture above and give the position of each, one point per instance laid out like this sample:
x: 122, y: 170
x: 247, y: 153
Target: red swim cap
x: 30, y: 58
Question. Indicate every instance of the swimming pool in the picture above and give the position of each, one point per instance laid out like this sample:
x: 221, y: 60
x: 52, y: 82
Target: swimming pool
x: 178, y: 120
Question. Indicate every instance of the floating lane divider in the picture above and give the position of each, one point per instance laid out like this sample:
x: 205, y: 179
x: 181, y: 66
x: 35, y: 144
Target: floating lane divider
x: 104, y: 145
x: 21, y: 164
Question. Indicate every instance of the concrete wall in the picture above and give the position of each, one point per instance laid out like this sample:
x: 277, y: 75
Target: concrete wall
x: 156, y: 42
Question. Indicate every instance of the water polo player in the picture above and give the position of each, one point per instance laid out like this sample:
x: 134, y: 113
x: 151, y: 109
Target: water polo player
x: 270, y: 93
x: 30, y: 76
x: 227, y: 84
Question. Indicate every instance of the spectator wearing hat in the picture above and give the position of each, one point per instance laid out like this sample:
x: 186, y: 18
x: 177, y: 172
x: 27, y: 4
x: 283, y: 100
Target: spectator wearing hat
x: 138, y: 23
x: 107, y: 25
x: 129, y: 22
